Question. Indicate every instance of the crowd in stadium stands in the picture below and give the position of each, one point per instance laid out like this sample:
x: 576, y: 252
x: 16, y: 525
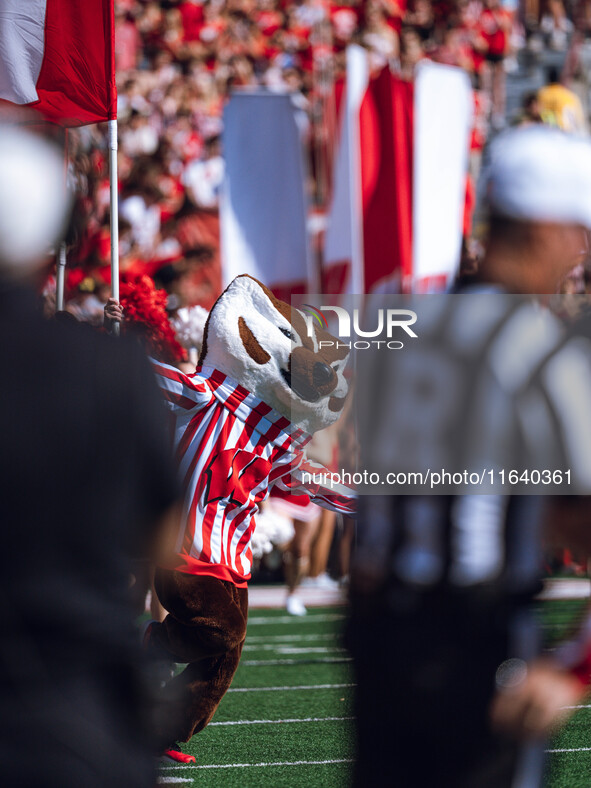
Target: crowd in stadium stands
x: 177, y: 61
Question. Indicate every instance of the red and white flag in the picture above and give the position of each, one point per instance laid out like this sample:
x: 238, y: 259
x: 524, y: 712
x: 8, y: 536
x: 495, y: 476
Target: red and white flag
x: 396, y: 217
x: 57, y: 56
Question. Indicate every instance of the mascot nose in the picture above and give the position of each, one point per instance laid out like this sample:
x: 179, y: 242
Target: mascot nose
x: 308, y: 376
x: 322, y: 374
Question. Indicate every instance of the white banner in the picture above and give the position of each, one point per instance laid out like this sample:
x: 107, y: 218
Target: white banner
x: 442, y: 122
x: 264, y: 206
x: 22, y: 43
x: 344, y: 232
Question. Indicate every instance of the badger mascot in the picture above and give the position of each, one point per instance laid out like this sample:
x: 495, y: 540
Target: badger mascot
x: 264, y: 382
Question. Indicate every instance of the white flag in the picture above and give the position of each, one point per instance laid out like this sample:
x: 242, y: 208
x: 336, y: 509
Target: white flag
x: 264, y: 206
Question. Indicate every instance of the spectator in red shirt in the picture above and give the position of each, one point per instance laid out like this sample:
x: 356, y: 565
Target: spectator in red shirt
x: 453, y: 51
x: 494, y: 27
x: 127, y: 42
x: 192, y: 15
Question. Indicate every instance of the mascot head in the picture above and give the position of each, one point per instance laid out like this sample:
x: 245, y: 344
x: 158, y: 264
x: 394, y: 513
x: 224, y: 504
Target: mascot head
x: 269, y: 348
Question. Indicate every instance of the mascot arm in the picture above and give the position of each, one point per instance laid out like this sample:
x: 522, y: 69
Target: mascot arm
x: 181, y: 392
x: 303, y: 477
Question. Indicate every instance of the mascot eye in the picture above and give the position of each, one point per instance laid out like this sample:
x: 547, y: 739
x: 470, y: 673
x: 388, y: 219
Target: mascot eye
x: 286, y: 333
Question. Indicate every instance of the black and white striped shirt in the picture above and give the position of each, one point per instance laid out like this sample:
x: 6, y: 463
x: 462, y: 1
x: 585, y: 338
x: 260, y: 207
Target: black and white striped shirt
x: 492, y: 383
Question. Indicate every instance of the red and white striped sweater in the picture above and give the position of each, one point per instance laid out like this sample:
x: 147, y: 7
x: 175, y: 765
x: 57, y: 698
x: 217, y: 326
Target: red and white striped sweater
x: 231, y: 448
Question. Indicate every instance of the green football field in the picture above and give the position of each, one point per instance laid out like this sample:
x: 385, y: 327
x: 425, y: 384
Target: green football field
x: 286, y: 721
x: 569, y: 757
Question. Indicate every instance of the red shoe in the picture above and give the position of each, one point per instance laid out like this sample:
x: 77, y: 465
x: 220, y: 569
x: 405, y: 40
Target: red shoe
x: 173, y: 755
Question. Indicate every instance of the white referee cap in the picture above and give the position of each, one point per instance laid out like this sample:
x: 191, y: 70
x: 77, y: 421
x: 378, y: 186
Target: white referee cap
x: 34, y: 201
x: 540, y: 174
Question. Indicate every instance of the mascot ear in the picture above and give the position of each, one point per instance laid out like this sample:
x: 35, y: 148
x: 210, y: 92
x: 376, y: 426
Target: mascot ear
x: 252, y: 346
x: 203, y: 353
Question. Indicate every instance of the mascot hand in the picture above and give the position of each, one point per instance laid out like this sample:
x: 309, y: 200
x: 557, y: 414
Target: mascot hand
x: 536, y: 699
x: 113, y: 314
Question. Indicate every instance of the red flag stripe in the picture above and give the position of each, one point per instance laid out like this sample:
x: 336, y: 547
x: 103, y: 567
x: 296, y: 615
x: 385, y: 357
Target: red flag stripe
x: 76, y: 83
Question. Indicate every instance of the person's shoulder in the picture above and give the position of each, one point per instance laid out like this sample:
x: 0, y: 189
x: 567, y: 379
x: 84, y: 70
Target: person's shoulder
x: 65, y: 327
x: 59, y: 336
x: 90, y: 350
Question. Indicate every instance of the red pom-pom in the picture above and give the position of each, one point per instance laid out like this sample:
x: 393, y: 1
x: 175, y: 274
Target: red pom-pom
x: 145, y: 306
x: 74, y: 278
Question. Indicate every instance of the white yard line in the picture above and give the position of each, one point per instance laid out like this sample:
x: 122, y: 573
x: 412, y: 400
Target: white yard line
x: 252, y: 765
x: 310, y: 650
x: 289, y: 638
x: 176, y: 780
x: 287, y: 649
x: 584, y: 706
x: 574, y: 749
x: 290, y: 689
x: 311, y: 617
x: 320, y: 660
x: 281, y: 722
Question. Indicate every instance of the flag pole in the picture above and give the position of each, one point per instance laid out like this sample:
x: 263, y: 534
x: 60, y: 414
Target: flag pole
x: 60, y: 279
x: 60, y: 272
x: 357, y: 75
x: 114, y: 213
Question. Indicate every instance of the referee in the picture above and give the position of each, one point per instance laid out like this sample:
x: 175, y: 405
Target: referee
x: 449, y: 681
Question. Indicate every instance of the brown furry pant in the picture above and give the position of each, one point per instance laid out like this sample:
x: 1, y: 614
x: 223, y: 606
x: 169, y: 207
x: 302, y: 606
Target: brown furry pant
x: 205, y: 627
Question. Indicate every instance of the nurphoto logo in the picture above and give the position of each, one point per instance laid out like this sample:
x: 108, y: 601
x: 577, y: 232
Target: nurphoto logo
x: 390, y: 324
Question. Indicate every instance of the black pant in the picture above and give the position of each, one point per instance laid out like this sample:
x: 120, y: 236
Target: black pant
x: 82, y: 730
x: 425, y: 679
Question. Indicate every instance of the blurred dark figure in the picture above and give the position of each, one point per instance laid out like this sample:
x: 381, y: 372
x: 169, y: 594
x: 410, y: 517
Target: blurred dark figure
x: 530, y: 110
x: 86, y: 485
x: 449, y: 681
